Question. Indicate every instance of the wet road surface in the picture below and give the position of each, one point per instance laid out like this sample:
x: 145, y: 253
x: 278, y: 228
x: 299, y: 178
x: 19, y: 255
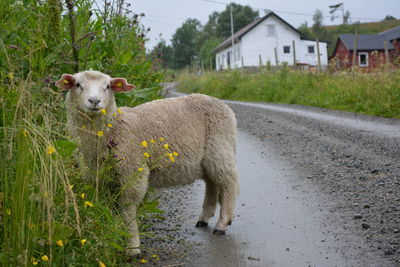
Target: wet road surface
x: 317, y: 189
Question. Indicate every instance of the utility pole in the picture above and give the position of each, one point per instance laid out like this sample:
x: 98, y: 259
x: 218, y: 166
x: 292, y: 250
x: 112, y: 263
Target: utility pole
x: 233, y: 41
x: 355, y: 47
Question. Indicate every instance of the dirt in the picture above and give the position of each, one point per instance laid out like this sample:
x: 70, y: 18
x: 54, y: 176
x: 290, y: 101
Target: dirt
x: 318, y: 188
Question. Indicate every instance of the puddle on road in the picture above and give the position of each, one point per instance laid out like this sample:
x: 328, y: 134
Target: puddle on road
x: 275, y: 225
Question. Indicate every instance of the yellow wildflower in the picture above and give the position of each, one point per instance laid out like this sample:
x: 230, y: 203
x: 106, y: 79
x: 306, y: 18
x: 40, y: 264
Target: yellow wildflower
x: 10, y: 76
x: 146, y: 155
x: 60, y: 243
x: 143, y: 143
x: 8, y: 211
x: 45, y: 258
x: 34, y: 261
x: 155, y: 256
x: 101, y: 264
x: 166, y: 146
x: 50, y: 149
x: 103, y: 111
x: 175, y: 153
x: 140, y: 169
x: 88, y: 204
x: 83, y: 241
x: 153, y: 141
x: 109, y: 125
x: 83, y: 126
x: 71, y: 186
x: 143, y: 261
x: 115, y: 114
x: 83, y: 195
x: 172, y: 159
x: 119, y: 111
x: 100, y: 133
x: 162, y: 139
x: 25, y: 132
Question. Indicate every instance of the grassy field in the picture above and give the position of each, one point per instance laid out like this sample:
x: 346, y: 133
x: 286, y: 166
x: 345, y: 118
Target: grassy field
x: 49, y: 216
x: 368, y: 93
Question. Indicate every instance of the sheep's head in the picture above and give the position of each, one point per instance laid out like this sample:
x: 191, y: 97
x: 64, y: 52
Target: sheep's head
x: 92, y: 91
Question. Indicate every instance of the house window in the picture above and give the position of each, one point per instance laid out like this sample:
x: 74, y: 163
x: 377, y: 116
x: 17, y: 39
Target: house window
x: 311, y: 49
x: 286, y: 49
x: 271, y: 30
x: 363, y: 59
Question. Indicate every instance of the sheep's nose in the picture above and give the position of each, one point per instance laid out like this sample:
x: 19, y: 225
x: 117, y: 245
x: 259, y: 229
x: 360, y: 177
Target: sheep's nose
x: 94, y: 100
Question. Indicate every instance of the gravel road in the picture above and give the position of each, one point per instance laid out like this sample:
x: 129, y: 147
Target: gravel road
x: 318, y: 188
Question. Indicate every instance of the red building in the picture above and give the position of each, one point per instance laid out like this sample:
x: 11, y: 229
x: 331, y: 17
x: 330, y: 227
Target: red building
x: 370, y: 49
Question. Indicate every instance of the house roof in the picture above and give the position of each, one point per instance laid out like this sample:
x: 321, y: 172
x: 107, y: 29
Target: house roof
x: 391, y: 34
x: 237, y: 35
x: 365, y: 42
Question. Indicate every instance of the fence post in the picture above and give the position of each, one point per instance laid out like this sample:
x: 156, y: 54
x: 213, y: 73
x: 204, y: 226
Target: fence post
x: 294, y: 53
x: 318, y: 56
x: 276, y: 57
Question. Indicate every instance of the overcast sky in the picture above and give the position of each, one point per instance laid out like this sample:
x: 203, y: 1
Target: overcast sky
x: 165, y: 16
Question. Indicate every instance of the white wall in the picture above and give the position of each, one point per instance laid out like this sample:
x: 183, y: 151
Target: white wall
x: 256, y: 44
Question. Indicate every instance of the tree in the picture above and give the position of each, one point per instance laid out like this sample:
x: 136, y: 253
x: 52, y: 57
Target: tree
x: 346, y: 17
x: 389, y: 17
x: 305, y: 30
x: 184, y: 42
x: 242, y: 15
x: 207, y: 54
x: 163, y: 55
x: 318, y: 30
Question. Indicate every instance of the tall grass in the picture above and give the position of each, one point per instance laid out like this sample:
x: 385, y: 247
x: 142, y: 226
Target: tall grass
x: 48, y: 214
x: 368, y: 93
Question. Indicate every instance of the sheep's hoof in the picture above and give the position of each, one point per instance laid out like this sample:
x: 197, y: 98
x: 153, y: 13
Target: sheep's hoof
x: 218, y: 232
x: 201, y: 224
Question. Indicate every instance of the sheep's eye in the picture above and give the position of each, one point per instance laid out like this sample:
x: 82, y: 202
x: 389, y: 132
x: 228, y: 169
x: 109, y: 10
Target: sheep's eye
x: 108, y: 87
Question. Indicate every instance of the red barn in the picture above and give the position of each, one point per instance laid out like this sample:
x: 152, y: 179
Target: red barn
x: 370, y: 49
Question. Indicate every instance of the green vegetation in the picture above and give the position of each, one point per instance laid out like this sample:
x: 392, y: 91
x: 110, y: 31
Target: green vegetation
x: 48, y: 214
x: 368, y: 93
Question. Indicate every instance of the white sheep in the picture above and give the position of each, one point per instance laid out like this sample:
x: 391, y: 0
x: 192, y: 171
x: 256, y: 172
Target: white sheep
x: 200, y: 128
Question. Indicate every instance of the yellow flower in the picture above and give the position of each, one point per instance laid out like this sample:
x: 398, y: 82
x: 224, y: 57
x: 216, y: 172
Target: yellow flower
x: 83, y: 126
x: 155, y: 256
x: 172, y: 159
x: 100, y: 133
x: 71, y: 186
x: 60, y: 243
x: 143, y: 261
x: 162, y: 139
x: 10, y: 76
x: 109, y: 125
x: 8, y: 211
x: 175, y: 153
x: 143, y: 144
x: 146, y: 155
x: 140, y: 169
x: 34, y: 261
x: 103, y: 111
x: 25, y: 132
x: 119, y: 111
x: 83, y: 241
x: 83, y: 195
x: 88, y: 204
x: 115, y: 114
x: 166, y: 146
x: 153, y: 141
x: 101, y: 264
x: 50, y: 149
x: 45, y: 258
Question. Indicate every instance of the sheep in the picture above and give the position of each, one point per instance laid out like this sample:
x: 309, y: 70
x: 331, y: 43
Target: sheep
x: 202, y: 129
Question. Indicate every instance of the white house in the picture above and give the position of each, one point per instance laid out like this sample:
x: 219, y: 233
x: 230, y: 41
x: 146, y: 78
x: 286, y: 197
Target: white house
x: 269, y: 39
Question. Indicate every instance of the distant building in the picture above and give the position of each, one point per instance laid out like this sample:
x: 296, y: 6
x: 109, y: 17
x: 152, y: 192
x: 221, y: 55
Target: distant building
x: 269, y: 39
x: 370, y: 49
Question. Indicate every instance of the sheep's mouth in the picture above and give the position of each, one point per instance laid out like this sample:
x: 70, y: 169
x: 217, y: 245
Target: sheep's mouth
x: 94, y: 109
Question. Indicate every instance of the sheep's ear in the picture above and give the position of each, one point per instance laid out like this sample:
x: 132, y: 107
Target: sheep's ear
x: 67, y: 81
x: 120, y: 85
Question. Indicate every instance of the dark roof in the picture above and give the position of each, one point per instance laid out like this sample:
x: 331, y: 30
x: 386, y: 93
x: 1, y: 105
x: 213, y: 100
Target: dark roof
x: 365, y: 42
x: 237, y: 35
x: 391, y: 34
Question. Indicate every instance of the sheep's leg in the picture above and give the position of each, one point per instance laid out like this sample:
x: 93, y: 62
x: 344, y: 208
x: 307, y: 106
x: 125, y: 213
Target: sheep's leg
x: 228, y: 191
x: 209, y: 203
x: 130, y: 199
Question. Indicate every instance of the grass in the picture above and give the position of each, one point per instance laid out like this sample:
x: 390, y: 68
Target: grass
x: 375, y: 94
x: 49, y: 216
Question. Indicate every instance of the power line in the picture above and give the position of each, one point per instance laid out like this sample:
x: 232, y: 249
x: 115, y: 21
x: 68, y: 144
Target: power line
x: 285, y: 12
